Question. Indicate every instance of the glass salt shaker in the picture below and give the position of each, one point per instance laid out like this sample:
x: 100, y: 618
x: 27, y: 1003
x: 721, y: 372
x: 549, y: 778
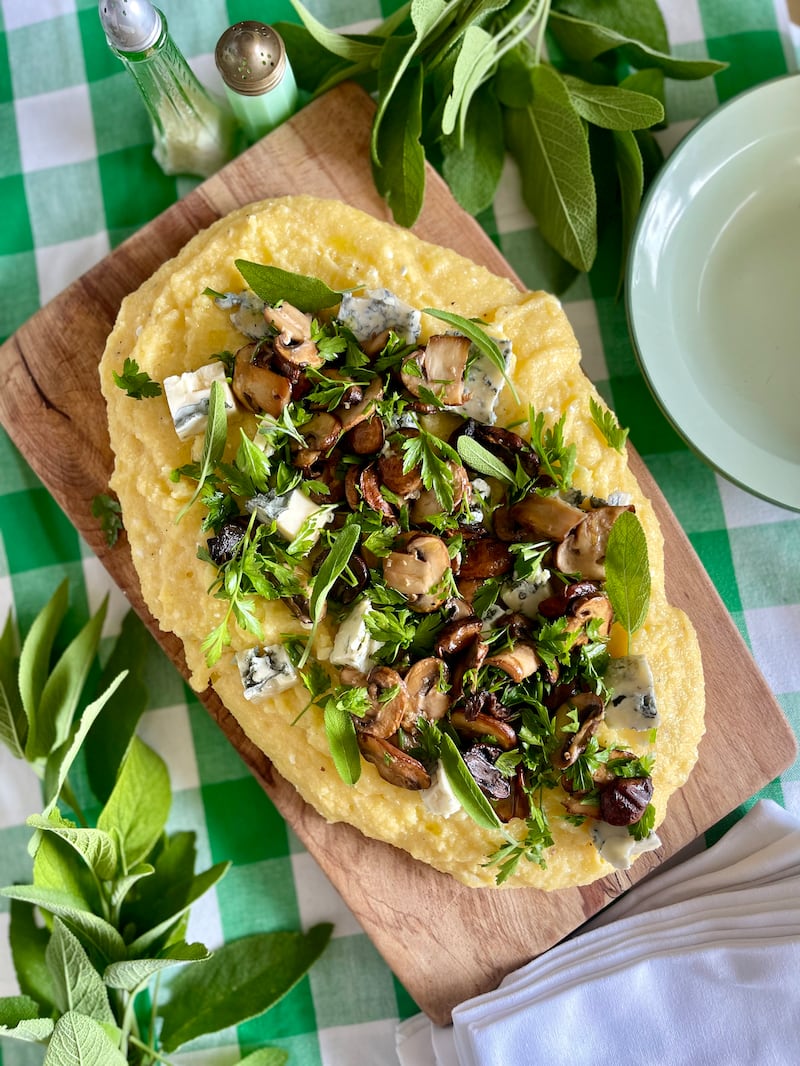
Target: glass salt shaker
x: 192, y: 133
x: 259, y: 81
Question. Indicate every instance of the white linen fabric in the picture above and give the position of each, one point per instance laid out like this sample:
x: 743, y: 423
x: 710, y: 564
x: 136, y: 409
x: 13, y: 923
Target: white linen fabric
x: 699, y: 964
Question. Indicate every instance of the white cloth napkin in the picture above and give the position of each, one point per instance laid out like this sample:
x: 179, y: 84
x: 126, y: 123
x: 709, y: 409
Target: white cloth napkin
x: 699, y: 965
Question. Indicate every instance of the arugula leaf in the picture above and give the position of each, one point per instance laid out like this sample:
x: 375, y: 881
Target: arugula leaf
x: 214, y: 441
x: 138, y: 384
x: 608, y: 425
x: 108, y: 510
x: 274, y: 285
x: 465, y: 787
x: 628, y: 572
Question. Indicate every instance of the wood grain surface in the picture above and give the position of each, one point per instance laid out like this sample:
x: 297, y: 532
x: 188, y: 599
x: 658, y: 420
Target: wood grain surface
x: 444, y: 941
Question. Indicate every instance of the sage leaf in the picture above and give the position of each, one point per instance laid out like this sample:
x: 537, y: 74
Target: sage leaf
x: 400, y: 174
x: 240, y: 981
x: 60, y: 761
x: 628, y: 572
x: 19, y: 1020
x: 342, y: 740
x: 77, y: 984
x: 28, y: 941
x: 96, y: 848
x: 214, y: 441
x: 639, y: 19
x: 34, y: 662
x: 13, y: 721
x: 123, y: 885
x: 139, y: 804
x: 81, y: 1041
x: 513, y: 83
x: 110, y: 735
x: 630, y: 170
x: 549, y: 142
x: 339, y: 44
x: 164, y: 894
x: 476, y: 55
x: 650, y: 81
x: 612, y: 107
x: 332, y: 567
x: 465, y: 787
x: 472, y: 168
x: 585, y: 41
x: 272, y: 285
x: 130, y: 974
x: 99, y: 938
x: 200, y: 884
x: 311, y: 63
x: 482, y: 461
x: 62, y: 690
x: 54, y: 867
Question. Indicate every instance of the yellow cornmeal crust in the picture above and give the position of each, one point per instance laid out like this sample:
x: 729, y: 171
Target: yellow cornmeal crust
x: 168, y: 326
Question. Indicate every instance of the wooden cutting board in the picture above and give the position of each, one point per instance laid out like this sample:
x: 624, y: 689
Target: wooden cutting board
x: 444, y: 941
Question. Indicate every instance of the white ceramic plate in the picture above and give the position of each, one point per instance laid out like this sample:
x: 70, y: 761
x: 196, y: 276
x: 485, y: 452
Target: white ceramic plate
x: 713, y: 290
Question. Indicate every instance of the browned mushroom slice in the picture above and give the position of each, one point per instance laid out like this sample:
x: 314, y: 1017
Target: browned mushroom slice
x: 518, y: 804
x: 350, y: 415
x: 388, y: 703
x: 483, y: 726
x: 411, y: 372
x: 369, y: 484
x: 257, y: 387
x: 581, y: 807
x: 290, y: 323
x: 457, y: 636
x: 467, y: 666
x: 425, y: 696
x: 398, y: 480
x: 417, y: 571
x: 588, y: 709
x: 624, y: 801
x: 393, y: 764
x: 519, y: 661
x: 480, y: 761
x: 427, y: 503
x: 322, y: 431
x: 584, y: 550
x: 367, y: 437
x: 443, y: 363
x: 547, y: 517
x: 485, y: 557
x: 584, y: 609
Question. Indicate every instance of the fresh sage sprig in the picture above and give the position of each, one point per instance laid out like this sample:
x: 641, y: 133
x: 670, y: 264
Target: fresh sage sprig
x: 273, y: 285
x: 115, y: 894
x: 464, y: 81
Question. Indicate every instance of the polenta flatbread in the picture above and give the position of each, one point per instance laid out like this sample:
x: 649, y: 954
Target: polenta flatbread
x: 380, y: 532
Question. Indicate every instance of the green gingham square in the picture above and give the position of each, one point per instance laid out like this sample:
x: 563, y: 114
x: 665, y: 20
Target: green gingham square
x: 31, y: 52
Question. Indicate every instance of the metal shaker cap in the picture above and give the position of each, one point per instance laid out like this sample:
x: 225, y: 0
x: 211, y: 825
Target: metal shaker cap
x: 130, y: 25
x: 251, y: 58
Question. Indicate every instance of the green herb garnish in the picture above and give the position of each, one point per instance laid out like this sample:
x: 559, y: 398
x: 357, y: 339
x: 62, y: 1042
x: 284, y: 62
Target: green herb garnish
x: 628, y: 572
x: 608, y: 425
x: 214, y: 441
x: 274, y: 285
x: 108, y: 510
x: 137, y: 383
x: 465, y: 787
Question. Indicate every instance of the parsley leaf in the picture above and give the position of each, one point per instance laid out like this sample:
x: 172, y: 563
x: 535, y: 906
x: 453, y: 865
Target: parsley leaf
x: 608, y: 425
x: 108, y: 510
x: 642, y: 829
x: 557, y: 458
x: 137, y: 383
x: 432, y: 455
x: 214, y: 441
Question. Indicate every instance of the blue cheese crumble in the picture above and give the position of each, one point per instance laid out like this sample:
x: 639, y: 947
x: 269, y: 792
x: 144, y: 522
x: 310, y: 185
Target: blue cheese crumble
x: 633, y: 700
x: 188, y: 397
x: 483, y: 383
x: 265, y: 671
x: 376, y: 311
x: 616, y: 845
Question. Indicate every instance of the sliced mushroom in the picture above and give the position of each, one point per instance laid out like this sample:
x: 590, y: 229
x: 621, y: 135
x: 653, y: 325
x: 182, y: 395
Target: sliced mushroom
x: 518, y: 804
x: 350, y: 415
x: 547, y: 517
x: 585, y: 609
x: 485, y: 557
x: 581, y: 807
x: 329, y: 474
x: 480, y: 760
x: 584, y: 550
x: 467, y: 665
x: 257, y: 387
x: 483, y: 726
x: 367, y: 437
x: 291, y: 324
x: 225, y: 544
x: 427, y: 503
x: 393, y: 764
x: 393, y: 475
x: 388, y: 703
x: 426, y: 699
x: 443, y: 363
x: 457, y: 635
x: 411, y: 372
x: 572, y: 743
x: 519, y: 661
x: 322, y: 431
x: 369, y: 484
x: 624, y: 801
x: 417, y: 571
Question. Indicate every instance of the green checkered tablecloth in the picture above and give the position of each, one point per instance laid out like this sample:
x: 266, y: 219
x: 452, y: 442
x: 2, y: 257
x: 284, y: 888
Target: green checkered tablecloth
x: 77, y: 177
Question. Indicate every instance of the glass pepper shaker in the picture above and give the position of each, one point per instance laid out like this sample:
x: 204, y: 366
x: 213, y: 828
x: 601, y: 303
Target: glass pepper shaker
x: 259, y: 81
x: 192, y: 133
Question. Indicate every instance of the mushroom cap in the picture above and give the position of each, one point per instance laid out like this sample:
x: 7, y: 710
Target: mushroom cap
x: 388, y: 703
x: 417, y: 571
x: 425, y: 697
x: 393, y: 764
x: 483, y: 726
x: 583, y: 551
x: 258, y: 387
x: 590, y: 709
x: 547, y: 517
